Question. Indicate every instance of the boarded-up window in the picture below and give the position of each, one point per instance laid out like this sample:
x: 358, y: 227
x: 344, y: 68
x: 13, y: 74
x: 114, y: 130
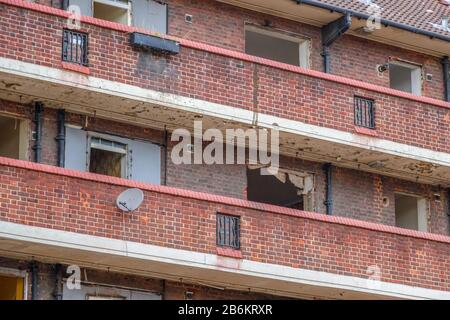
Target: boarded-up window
x: 114, y: 156
x: 150, y: 15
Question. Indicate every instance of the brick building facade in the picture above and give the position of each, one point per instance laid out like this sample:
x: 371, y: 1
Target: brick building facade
x: 373, y: 201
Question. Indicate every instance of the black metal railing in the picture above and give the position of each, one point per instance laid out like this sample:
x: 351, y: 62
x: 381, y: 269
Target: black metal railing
x: 75, y: 47
x: 228, y: 231
x: 364, y: 112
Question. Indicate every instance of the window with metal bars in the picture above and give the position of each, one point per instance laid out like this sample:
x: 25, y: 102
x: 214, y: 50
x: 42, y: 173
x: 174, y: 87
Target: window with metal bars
x: 364, y: 112
x: 228, y: 231
x: 75, y: 47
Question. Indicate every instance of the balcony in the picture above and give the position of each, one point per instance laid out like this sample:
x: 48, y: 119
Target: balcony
x: 407, y: 137
x: 60, y: 215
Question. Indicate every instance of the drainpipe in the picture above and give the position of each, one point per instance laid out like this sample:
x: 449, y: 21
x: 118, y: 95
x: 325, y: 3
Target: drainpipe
x: 165, y: 146
x: 448, y: 199
x: 329, y: 187
x: 61, y: 137
x: 445, y: 68
x: 34, y: 280
x: 58, y: 284
x: 360, y: 15
x: 330, y: 33
x: 38, y: 108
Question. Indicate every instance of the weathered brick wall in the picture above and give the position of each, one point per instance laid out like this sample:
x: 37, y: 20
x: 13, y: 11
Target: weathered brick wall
x: 227, y: 81
x: 170, y: 290
x: 353, y: 57
x: 356, y: 194
x: 288, y: 237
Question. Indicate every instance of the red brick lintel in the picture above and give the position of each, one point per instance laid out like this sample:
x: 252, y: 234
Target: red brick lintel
x: 222, y: 200
x: 231, y: 54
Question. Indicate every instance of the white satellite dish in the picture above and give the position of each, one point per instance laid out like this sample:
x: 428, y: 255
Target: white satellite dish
x: 130, y: 199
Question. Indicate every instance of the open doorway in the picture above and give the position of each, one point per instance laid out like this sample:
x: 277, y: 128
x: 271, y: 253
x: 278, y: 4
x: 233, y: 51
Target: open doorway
x: 13, y: 138
x: 286, y: 189
x: 411, y: 212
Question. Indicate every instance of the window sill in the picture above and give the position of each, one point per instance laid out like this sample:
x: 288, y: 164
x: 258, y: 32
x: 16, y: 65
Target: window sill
x: 366, y: 131
x: 229, y: 252
x: 75, y: 67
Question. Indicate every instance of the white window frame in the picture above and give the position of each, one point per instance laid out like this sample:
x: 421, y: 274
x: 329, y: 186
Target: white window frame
x: 423, y: 209
x: 116, y: 4
x: 303, y: 42
x: 416, y: 75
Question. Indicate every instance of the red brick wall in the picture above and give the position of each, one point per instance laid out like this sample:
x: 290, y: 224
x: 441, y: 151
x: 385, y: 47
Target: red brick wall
x: 223, y: 25
x: 189, y: 224
x: 356, y: 194
x: 280, y: 93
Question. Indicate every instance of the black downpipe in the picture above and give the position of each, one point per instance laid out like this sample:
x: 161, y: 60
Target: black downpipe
x: 58, y: 283
x: 61, y: 137
x: 328, y: 169
x: 448, y: 199
x: 38, y: 108
x: 445, y: 68
x: 34, y: 280
x: 330, y: 33
x: 326, y: 59
x: 364, y: 16
x: 166, y: 150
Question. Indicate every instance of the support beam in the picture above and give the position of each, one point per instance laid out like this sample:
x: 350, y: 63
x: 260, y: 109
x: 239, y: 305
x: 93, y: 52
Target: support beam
x: 330, y: 33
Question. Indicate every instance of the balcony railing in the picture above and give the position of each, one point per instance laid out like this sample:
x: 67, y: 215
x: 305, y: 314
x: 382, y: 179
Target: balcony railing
x: 228, y: 78
x: 364, y: 113
x: 75, y: 47
x: 60, y: 199
x: 228, y: 231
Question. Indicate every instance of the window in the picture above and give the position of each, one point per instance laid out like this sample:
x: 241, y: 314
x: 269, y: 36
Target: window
x: 75, y: 47
x: 364, y: 110
x: 286, y: 189
x: 107, y: 292
x: 405, y: 77
x: 146, y: 14
x: 13, y: 138
x: 112, y: 10
x: 276, y: 46
x: 108, y: 157
x: 112, y: 155
x: 411, y: 212
x: 228, y: 231
x: 12, y: 284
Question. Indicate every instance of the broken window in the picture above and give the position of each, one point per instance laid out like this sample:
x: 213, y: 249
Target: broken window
x: 276, y: 46
x: 286, y: 189
x: 405, y: 77
x: 108, y: 157
x: 112, y: 155
x: 13, y: 138
x: 112, y: 10
x: 146, y: 14
x: 411, y: 212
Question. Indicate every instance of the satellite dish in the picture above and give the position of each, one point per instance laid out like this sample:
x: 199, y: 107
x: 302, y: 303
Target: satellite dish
x: 130, y: 199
